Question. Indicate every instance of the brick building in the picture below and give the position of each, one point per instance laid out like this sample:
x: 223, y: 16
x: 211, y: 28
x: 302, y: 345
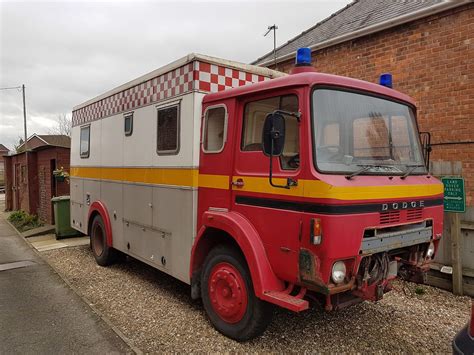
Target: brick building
x: 32, y: 189
x: 3, y: 151
x: 428, y: 47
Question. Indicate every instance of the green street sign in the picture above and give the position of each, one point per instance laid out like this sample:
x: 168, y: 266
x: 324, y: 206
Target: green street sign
x: 454, y: 195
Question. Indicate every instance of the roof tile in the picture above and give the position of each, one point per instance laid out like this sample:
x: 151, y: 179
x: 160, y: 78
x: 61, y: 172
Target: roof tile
x: 355, y: 16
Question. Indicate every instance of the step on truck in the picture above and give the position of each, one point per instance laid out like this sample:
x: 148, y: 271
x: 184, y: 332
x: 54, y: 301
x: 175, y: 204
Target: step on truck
x: 257, y: 188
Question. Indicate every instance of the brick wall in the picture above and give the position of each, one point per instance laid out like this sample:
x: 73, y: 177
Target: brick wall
x: 16, y: 188
x: 47, y: 187
x: 2, y: 167
x: 40, y: 181
x: 35, y: 142
x: 432, y: 60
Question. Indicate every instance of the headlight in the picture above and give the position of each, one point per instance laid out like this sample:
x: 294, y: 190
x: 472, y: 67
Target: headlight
x: 430, y: 251
x: 338, y: 272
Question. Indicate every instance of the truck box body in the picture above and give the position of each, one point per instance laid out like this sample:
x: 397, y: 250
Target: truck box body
x: 151, y: 197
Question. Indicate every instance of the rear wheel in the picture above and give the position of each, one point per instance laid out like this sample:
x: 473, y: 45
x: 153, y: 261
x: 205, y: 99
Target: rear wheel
x: 229, y: 298
x: 103, y: 254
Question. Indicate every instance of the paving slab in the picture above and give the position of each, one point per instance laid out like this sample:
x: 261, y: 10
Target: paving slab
x: 46, y: 229
x: 49, y: 242
x: 39, y: 312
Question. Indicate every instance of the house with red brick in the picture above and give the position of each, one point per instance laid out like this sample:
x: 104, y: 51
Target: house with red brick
x: 3, y: 151
x: 30, y: 184
x: 428, y: 47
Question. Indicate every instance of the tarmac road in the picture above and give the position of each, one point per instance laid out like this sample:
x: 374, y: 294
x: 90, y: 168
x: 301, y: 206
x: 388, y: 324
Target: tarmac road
x: 39, y: 313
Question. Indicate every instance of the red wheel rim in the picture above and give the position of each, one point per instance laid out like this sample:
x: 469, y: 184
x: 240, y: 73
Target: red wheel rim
x: 227, y: 292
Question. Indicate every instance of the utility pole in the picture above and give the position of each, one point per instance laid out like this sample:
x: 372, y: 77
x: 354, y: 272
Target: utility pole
x: 26, y: 149
x: 274, y: 28
x: 24, y: 116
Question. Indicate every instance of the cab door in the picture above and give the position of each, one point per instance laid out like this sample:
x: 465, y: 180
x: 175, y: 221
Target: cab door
x: 271, y: 210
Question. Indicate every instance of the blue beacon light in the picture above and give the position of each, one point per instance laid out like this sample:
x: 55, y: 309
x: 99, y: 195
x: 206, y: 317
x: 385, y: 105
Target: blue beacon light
x: 303, y: 57
x: 386, y: 80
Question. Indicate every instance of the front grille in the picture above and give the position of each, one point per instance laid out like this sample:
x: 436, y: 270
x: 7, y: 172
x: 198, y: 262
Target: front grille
x: 414, y: 214
x: 389, y: 217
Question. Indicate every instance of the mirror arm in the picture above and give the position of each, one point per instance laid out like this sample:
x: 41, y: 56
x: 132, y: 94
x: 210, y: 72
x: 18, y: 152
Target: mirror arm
x: 288, y: 113
x: 289, y: 181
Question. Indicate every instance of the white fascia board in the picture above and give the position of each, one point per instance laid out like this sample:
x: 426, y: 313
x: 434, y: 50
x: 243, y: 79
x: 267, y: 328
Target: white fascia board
x: 416, y: 15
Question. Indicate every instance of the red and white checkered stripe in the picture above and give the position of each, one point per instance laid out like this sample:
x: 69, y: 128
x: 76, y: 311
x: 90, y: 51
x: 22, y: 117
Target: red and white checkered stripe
x: 193, y: 76
x: 214, y: 78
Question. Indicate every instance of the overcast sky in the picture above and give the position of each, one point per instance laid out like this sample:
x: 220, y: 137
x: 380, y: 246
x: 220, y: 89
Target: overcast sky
x: 68, y: 52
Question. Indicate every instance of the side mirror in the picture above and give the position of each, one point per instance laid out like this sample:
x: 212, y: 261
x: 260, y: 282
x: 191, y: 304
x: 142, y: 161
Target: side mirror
x: 273, y: 135
x: 425, y: 138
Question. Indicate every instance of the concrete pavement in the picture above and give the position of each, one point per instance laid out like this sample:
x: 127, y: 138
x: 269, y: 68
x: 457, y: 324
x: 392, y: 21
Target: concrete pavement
x: 49, y: 242
x: 39, y: 313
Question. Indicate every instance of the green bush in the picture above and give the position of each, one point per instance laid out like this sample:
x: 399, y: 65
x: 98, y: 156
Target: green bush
x: 24, y: 221
x: 17, y: 216
x: 419, y: 290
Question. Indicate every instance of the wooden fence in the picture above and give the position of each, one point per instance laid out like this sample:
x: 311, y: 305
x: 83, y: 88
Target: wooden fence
x: 453, y: 266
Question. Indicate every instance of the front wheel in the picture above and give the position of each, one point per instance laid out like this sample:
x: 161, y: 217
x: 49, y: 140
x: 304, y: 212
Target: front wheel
x: 103, y: 254
x: 229, y: 298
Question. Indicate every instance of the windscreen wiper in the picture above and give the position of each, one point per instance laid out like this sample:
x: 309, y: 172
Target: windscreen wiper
x: 410, y: 169
x: 364, y: 169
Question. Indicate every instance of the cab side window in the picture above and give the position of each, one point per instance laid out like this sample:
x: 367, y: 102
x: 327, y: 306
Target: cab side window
x: 215, y: 129
x: 254, y: 117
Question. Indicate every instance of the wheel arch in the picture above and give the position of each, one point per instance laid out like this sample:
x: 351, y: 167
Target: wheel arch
x: 98, y: 208
x: 233, y: 229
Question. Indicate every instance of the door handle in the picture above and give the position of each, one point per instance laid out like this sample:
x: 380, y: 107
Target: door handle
x: 239, y: 182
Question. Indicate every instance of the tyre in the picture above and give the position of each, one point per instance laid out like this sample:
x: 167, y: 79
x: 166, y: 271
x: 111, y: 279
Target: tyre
x: 103, y: 254
x: 229, y: 298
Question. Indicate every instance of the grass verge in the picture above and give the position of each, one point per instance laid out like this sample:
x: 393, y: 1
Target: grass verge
x: 24, y: 221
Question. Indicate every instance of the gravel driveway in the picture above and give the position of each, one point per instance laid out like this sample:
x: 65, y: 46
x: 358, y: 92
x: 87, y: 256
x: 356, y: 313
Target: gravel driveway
x: 157, y: 314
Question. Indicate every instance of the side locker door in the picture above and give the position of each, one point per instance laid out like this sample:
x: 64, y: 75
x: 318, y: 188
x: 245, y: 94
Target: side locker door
x: 271, y: 210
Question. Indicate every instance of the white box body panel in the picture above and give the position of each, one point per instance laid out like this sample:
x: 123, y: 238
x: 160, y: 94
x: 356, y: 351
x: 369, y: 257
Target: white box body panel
x: 151, y: 199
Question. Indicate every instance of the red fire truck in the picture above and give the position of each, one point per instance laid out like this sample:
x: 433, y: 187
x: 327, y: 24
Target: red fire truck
x: 306, y: 186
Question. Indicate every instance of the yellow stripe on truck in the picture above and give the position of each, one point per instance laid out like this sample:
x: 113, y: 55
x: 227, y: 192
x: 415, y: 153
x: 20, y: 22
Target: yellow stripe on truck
x: 157, y: 176
x: 305, y: 188
x: 320, y: 189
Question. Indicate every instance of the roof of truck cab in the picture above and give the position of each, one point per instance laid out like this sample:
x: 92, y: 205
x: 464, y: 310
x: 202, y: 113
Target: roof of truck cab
x: 308, y: 79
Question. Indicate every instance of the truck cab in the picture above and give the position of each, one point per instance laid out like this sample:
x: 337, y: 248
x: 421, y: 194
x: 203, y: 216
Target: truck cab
x: 320, y: 182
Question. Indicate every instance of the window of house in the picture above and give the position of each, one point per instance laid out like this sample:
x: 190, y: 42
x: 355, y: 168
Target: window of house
x: 254, y: 118
x: 85, y: 141
x: 128, y: 124
x: 215, y: 129
x: 168, y: 130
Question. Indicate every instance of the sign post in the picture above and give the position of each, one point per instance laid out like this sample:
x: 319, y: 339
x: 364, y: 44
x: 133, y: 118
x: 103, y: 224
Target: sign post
x: 455, y: 202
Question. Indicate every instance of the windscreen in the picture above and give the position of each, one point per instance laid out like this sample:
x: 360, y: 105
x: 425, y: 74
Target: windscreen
x: 356, y: 132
